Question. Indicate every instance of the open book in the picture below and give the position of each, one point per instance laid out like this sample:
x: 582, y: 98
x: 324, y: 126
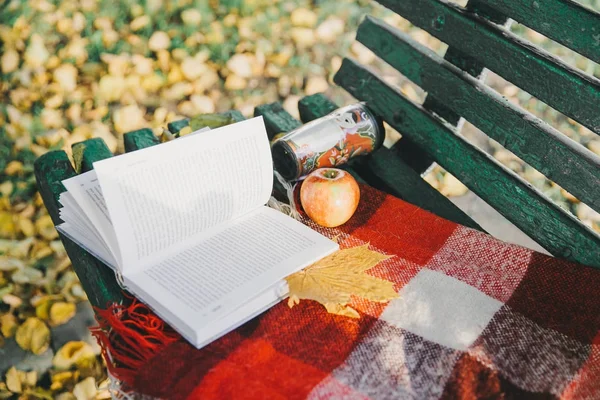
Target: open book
x: 185, y: 224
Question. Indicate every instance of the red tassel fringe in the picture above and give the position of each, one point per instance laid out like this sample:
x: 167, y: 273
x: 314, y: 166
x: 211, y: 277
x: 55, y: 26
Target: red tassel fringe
x: 130, y: 335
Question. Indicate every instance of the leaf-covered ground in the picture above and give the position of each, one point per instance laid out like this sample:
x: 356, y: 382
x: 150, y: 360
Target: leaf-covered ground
x: 76, y: 69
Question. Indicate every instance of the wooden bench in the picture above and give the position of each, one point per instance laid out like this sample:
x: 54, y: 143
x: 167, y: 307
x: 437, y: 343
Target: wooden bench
x: 454, y: 92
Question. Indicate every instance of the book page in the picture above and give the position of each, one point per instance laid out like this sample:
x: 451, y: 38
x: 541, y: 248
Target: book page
x: 71, y: 212
x: 91, y: 246
x: 86, y: 191
x: 221, y: 326
x: 228, y: 267
x: 67, y: 216
x: 165, y: 195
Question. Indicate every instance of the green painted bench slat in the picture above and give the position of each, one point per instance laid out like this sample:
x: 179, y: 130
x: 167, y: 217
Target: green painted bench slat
x: 139, y: 139
x: 571, y: 92
x: 176, y: 126
x: 552, y: 227
x: 536, y: 142
x: 98, y: 280
x: 315, y: 106
x: 235, y: 115
x: 412, y: 154
x: 464, y: 62
x: 144, y: 137
x: 386, y: 171
x: 93, y: 150
x: 276, y: 119
x: 408, y: 149
x: 564, y: 21
x: 83, y: 150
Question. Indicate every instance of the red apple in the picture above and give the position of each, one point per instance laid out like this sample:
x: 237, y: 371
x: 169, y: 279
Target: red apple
x: 329, y: 196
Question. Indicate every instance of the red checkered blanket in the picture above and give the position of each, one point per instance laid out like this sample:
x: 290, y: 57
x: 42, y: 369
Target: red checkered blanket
x: 475, y: 318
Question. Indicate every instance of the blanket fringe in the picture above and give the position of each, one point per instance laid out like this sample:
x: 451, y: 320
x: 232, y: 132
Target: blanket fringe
x: 129, y: 336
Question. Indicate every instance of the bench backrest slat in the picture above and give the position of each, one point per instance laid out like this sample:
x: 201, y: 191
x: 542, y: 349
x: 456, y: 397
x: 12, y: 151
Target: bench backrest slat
x: 570, y: 91
x: 276, y: 119
x: 468, y: 64
x: 98, y: 280
x: 536, y: 142
x: 139, y: 139
x: 409, y: 151
x: 476, y: 40
x: 87, y: 152
x: 551, y: 226
x: 564, y: 21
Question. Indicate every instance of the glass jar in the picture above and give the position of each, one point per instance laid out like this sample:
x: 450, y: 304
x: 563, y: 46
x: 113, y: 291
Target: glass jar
x: 329, y: 141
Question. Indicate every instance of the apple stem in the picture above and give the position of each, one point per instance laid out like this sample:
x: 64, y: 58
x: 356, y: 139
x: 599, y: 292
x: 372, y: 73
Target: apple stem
x: 330, y: 173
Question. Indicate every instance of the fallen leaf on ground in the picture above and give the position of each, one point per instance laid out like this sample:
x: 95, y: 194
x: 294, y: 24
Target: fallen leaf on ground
x: 65, y: 396
x: 42, y: 308
x: 45, y: 227
x: 334, y: 279
x: 29, y: 378
x: 72, y: 353
x: 39, y: 393
x: 12, y: 300
x: 4, y: 392
x: 63, y: 380
x: 13, y: 380
x: 86, y: 389
x: 8, y: 325
x: 33, y: 335
x: 28, y: 275
x: 61, y: 312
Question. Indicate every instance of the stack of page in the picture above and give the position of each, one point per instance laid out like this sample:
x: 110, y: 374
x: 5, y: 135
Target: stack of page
x: 185, y: 224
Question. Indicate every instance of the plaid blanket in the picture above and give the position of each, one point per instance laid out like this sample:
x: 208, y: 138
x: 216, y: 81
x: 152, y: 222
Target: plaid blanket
x: 475, y: 318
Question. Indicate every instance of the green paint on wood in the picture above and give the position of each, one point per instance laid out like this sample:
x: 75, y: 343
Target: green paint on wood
x: 483, y: 9
x: 468, y: 64
x: 235, y: 115
x: 97, y: 279
x: 564, y: 21
x: 276, y: 119
x: 315, y: 106
x: 178, y: 125
x: 88, y: 151
x: 552, y: 227
x: 212, y: 121
x: 139, y: 139
x: 409, y: 151
x: 568, y: 90
x: 542, y: 146
x: 386, y: 171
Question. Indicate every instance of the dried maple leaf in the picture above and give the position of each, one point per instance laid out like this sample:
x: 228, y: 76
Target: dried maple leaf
x: 334, y: 279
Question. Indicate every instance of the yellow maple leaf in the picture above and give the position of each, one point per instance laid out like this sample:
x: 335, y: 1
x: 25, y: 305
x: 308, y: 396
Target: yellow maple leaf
x: 334, y: 279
